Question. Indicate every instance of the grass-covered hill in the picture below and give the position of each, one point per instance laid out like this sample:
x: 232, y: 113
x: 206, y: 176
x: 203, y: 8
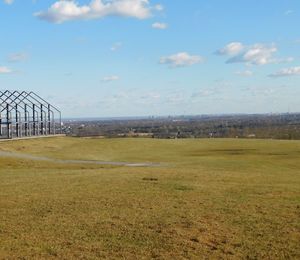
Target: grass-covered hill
x: 217, y: 198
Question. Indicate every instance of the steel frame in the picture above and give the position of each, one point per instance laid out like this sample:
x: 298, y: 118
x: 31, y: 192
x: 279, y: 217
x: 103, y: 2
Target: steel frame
x: 24, y: 114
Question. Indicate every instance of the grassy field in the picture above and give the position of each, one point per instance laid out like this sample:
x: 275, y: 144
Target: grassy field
x: 217, y: 198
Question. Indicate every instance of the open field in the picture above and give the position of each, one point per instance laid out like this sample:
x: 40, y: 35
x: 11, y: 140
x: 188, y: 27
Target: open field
x: 218, y: 198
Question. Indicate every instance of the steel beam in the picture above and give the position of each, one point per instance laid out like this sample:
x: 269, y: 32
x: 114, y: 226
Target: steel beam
x: 26, y: 113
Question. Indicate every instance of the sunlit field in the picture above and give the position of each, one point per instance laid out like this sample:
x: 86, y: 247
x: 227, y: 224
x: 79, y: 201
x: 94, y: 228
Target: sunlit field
x: 218, y: 198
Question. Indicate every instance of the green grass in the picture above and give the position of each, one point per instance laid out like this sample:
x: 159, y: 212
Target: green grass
x: 217, y: 198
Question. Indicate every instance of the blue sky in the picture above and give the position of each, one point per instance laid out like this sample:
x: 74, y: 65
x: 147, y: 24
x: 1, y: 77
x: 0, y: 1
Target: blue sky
x: 158, y: 57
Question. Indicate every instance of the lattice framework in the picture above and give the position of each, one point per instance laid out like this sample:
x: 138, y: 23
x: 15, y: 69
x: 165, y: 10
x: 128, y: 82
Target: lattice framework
x: 24, y: 114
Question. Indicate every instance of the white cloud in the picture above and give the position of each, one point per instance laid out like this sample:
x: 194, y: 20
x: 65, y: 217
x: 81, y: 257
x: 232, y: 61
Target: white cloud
x: 258, y: 91
x: 288, y: 12
x: 116, y: 46
x: 245, y: 73
x: 204, y: 93
x: 182, y: 59
x: 149, y: 98
x: 110, y: 78
x: 231, y: 49
x: 67, y: 10
x: 16, y: 57
x: 293, y: 71
x: 5, y: 70
x: 8, y: 1
x: 161, y: 26
x: 158, y: 7
x: 175, y: 98
x: 257, y: 54
x: 284, y: 60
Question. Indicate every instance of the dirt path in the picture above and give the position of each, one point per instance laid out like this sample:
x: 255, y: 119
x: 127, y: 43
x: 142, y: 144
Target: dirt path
x: 42, y: 158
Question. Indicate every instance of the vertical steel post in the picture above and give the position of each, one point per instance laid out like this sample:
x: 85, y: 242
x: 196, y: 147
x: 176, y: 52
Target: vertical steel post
x: 42, y: 123
x: 33, y: 119
x: 17, y: 122
x: 7, y: 121
x: 49, y: 120
x: 26, y: 120
x: 60, y: 122
x: 0, y: 122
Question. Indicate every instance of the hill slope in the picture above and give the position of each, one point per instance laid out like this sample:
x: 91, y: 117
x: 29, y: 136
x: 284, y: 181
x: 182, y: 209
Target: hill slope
x: 218, y: 197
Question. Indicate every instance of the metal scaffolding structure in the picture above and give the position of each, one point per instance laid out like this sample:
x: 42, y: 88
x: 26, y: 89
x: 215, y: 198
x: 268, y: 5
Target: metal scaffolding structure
x: 24, y: 114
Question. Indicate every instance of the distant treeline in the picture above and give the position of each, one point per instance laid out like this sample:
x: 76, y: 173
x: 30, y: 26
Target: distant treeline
x: 283, y: 126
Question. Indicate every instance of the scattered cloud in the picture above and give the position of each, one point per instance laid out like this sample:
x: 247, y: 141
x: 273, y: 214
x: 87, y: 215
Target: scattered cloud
x: 17, y: 57
x: 148, y: 98
x: 121, y: 96
x: 284, y: 60
x: 8, y: 1
x: 231, y: 49
x: 182, y: 59
x: 203, y: 93
x: 116, y: 46
x: 5, y: 70
x: 68, y: 10
x: 151, y: 95
x: 259, y: 91
x: 288, y: 12
x: 175, y: 98
x: 287, y: 72
x: 110, y: 78
x: 81, y: 40
x: 245, y: 73
x: 160, y: 26
x: 159, y: 7
x: 257, y: 54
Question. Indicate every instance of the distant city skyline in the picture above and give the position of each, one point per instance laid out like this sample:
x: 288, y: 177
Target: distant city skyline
x: 123, y: 58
